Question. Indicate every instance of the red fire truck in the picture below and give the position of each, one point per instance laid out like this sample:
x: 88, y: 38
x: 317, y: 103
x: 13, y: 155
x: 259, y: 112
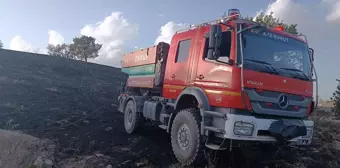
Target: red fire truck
x: 221, y: 83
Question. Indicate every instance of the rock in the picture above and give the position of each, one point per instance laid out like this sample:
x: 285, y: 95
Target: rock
x: 99, y: 155
x: 140, y: 164
x: 42, y: 162
x: 38, y: 162
x: 108, y: 128
x: 48, y: 162
x: 86, y: 121
x: 108, y: 166
x: 20, y: 150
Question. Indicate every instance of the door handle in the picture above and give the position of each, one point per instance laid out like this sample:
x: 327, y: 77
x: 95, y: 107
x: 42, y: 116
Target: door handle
x: 200, y: 76
x: 173, y: 76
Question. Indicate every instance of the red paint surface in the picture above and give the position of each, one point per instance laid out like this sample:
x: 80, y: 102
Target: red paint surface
x: 276, y: 83
x: 138, y: 57
x: 221, y: 82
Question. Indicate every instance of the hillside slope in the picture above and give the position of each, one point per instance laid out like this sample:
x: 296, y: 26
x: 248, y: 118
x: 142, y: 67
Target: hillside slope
x: 36, y: 88
x: 73, y: 104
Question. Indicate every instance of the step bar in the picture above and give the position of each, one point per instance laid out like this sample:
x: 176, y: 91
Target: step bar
x: 205, y: 128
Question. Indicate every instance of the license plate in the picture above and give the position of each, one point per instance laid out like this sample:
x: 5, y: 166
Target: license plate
x: 302, y: 142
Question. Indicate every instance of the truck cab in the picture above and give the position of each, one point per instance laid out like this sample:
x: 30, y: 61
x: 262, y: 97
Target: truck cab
x: 229, y: 81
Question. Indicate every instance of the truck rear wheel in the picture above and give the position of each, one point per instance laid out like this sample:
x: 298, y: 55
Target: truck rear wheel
x: 131, y: 118
x: 186, y: 138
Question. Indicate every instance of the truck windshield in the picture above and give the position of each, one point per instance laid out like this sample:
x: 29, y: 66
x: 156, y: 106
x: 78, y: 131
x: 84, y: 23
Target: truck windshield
x: 273, y: 53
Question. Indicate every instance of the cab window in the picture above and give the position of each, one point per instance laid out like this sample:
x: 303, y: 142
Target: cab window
x: 224, y: 48
x: 183, y: 51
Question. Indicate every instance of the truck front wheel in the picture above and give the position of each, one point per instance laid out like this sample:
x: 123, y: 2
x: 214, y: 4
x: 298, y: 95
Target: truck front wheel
x: 131, y: 117
x: 185, y: 136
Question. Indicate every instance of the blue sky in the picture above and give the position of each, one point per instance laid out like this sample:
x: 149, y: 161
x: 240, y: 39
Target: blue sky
x: 125, y: 25
x: 32, y: 19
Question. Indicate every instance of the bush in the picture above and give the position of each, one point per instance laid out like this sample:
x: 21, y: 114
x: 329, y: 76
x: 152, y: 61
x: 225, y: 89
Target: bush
x: 336, y: 100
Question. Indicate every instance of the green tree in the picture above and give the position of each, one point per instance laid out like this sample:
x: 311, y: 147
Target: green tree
x: 271, y: 21
x: 1, y: 45
x: 62, y: 50
x: 336, y: 99
x: 85, y: 47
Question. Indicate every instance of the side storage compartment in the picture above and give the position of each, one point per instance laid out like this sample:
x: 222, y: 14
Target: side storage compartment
x: 152, y: 110
x: 146, y: 67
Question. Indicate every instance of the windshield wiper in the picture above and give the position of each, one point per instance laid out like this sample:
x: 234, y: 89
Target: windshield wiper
x: 269, y: 66
x: 297, y: 70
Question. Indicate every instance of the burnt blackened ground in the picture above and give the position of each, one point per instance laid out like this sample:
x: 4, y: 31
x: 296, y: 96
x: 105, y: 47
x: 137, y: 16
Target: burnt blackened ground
x: 75, y: 105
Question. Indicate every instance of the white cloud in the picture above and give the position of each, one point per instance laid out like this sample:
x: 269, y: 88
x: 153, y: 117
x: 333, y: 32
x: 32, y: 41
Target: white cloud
x: 168, y: 30
x: 317, y: 20
x: 113, y: 32
x: 335, y: 13
x: 55, y: 38
x: 19, y: 44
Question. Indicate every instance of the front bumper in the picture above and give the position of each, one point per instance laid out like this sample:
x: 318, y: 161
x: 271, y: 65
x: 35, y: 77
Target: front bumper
x: 257, y: 129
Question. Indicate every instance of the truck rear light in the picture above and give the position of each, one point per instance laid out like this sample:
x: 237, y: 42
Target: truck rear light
x: 259, y: 90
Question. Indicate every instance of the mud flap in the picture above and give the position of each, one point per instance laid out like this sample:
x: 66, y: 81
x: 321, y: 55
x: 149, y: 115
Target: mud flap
x: 284, y: 130
x: 121, y: 105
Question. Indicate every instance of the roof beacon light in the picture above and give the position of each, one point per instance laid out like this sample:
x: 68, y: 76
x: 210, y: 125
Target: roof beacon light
x: 279, y: 27
x: 234, y: 13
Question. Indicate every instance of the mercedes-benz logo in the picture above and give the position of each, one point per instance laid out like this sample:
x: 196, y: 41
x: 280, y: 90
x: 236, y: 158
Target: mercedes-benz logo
x: 283, y: 101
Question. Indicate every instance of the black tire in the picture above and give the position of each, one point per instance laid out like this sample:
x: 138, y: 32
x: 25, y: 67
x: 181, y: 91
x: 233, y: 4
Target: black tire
x: 193, y: 152
x: 131, y: 117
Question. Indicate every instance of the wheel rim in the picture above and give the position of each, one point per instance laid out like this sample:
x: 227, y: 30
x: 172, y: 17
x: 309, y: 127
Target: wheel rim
x: 129, y: 117
x: 183, y: 137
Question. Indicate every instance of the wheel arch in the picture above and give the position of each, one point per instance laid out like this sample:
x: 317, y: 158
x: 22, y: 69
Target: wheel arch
x: 192, y: 92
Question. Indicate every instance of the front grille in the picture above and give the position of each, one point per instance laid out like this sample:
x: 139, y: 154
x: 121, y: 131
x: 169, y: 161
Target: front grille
x: 272, y: 94
x: 275, y: 106
x: 267, y: 102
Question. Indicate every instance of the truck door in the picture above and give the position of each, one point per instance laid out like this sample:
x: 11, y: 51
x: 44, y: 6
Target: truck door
x: 215, y: 76
x: 178, y: 64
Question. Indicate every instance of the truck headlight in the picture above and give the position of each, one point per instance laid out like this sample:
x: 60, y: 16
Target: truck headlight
x: 243, y: 128
x: 309, y: 132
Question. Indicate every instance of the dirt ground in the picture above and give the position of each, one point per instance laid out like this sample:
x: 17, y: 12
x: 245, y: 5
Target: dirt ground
x: 74, y: 105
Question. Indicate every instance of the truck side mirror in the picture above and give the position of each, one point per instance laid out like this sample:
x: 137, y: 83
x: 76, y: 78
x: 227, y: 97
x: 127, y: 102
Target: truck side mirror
x: 215, y: 37
x: 311, y: 53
